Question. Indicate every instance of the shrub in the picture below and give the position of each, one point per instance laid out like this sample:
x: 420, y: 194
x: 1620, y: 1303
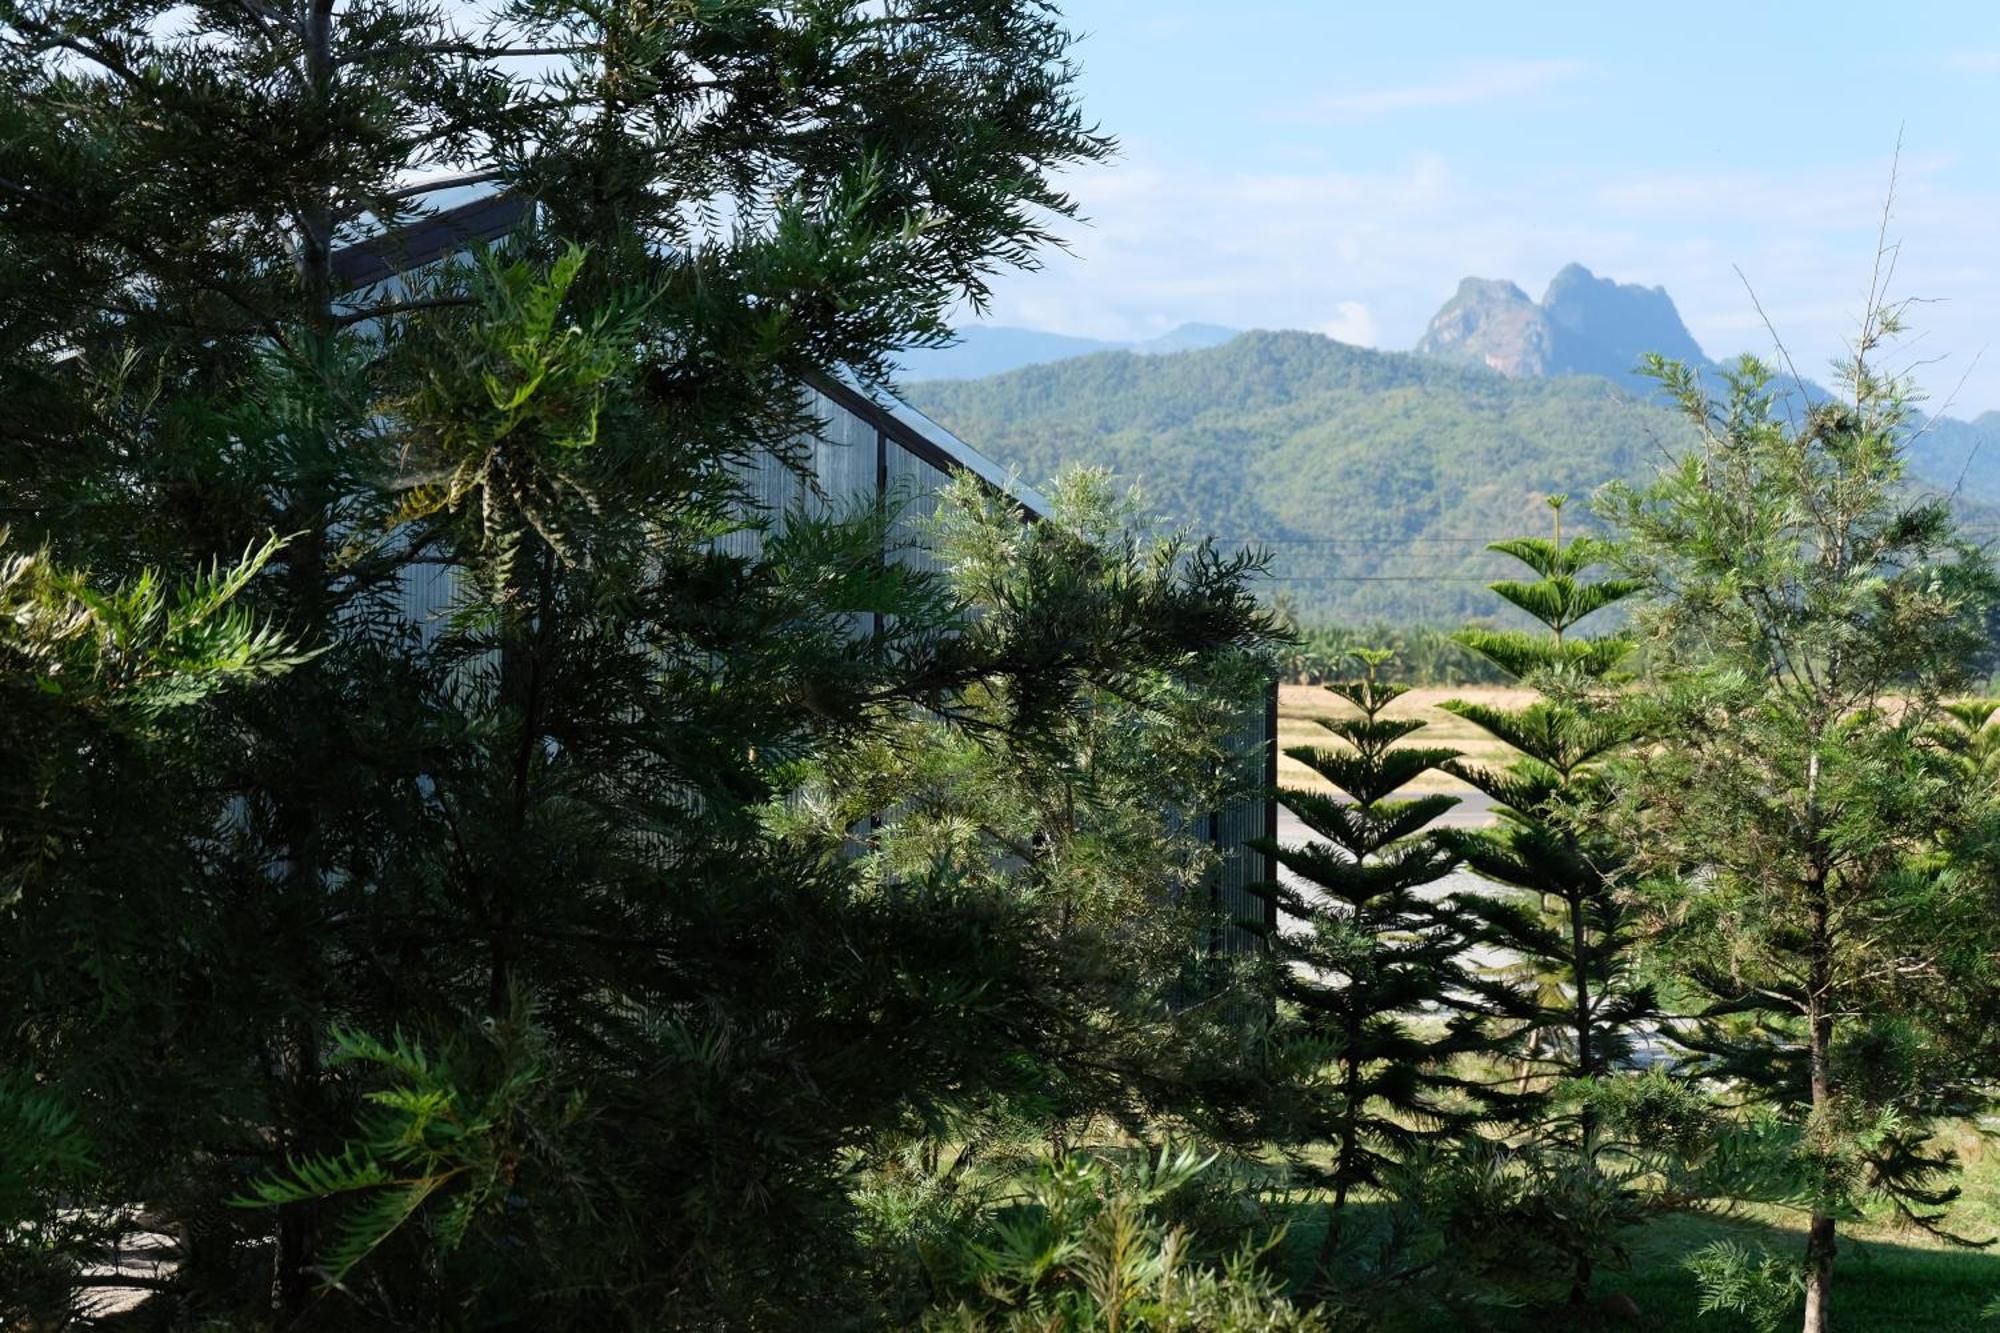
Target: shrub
x: 1085, y: 1247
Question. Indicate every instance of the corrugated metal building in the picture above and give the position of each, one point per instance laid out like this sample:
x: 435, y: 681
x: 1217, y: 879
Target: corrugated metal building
x: 866, y: 449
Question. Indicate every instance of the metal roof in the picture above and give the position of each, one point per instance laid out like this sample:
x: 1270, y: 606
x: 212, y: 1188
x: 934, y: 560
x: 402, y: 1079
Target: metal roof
x: 917, y: 433
x: 429, y: 239
x: 487, y: 219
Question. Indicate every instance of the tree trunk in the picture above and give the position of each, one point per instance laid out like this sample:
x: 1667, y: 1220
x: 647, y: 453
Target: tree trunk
x: 1586, y: 1059
x: 298, y: 1223
x: 1819, y: 1274
x: 1329, y: 1246
x: 525, y: 653
x: 299, y: 1053
x: 1820, y: 1241
x: 297, y: 1115
x: 1343, y: 1165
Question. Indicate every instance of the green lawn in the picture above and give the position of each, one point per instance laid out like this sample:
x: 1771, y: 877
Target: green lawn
x: 1888, y: 1279
x: 1881, y: 1284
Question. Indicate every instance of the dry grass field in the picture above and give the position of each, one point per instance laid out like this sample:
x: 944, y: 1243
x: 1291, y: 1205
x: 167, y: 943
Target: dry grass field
x: 1299, y: 705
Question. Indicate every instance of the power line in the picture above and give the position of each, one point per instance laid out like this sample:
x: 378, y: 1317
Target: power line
x: 1968, y: 532
x: 1361, y: 541
x: 1379, y: 578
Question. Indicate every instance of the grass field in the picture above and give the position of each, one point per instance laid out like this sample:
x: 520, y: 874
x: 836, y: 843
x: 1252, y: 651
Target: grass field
x: 1888, y: 1279
x: 1299, y: 705
x: 1885, y: 1281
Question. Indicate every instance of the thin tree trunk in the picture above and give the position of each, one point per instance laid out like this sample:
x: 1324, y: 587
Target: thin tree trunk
x: 297, y: 1117
x: 299, y: 1055
x: 1586, y: 1062
x: 298, y: 1223
x: 1329, y: 1246
x: 1820, y: 1239
x: 1343, y: 1166
x: 524, y: 664
x: 1820, y: 1249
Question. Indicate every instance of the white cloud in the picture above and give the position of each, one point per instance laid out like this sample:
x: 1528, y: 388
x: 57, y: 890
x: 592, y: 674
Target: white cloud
x: 1367, y: 256
x: 1847, y: 195
x: 1485, y: 82
x: 1352, y: 323
x: 1974, y: 62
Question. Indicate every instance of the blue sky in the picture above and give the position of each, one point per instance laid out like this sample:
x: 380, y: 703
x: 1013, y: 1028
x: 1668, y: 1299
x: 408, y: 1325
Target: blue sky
x: 1339, y: 166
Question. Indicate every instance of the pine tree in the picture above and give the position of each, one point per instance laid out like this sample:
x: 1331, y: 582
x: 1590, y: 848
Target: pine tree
x: 1377, y: 964
x: 1807, y: 619
x: 108, y: 694
x: 1580, y: 1009
x: 470, y: 953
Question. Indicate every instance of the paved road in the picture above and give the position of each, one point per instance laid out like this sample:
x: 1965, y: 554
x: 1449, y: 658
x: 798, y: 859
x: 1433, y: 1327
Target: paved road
x: 1474, y: 810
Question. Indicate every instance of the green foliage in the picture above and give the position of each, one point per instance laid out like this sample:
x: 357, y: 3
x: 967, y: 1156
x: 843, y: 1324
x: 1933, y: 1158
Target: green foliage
x: 40, y: 1140
x: 1062, y: 797
x: 46, y: 1162
x: 1422, y: 655
x: 144, y: 646
x: 1083, y: 1248
x: 505, y: 413
x: 1808, y: 621
x: 89, y: 672
x: 1754, y: 1284
x: 1570, y: 1003
x: 1378, y: 967
x: 442, y: 1142
x: 1965, y: 733
x: 1650, y: 1110
x: 1377, y: 477
x: 1107, y: 592
x: 99, y: 690
x: 1521, y: 654
x: 567, y: 669
x: 1506, y: 1222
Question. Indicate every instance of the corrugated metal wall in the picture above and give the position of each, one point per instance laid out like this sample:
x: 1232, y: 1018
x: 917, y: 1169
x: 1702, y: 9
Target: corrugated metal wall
x: 840, y: 460
x: 1249, y: 915
x: 916, y: 486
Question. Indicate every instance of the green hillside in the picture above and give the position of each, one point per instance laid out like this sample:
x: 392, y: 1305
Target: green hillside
x: 1376, y: 477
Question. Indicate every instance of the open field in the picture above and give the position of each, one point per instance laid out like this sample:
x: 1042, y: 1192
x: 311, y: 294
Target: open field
x: 1299, y: 705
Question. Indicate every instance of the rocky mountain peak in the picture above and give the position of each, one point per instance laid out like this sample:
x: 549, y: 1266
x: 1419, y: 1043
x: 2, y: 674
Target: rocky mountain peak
x: 1583, y: 325
x: 1492, y: 321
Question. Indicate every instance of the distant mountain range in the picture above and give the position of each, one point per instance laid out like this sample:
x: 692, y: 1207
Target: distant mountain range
x: 1377, y: 478
x: 994, y: 349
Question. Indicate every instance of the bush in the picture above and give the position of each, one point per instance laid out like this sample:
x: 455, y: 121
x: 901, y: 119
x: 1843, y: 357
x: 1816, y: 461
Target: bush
x: 1085, y: 1247
x: 1756, y: 1284
x: 1422, y: 655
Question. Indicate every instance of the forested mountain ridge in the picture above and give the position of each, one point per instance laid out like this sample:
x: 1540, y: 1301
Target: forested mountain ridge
x: 1589, y: 325
x: 994, y: 349
x: 1375, y: 477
